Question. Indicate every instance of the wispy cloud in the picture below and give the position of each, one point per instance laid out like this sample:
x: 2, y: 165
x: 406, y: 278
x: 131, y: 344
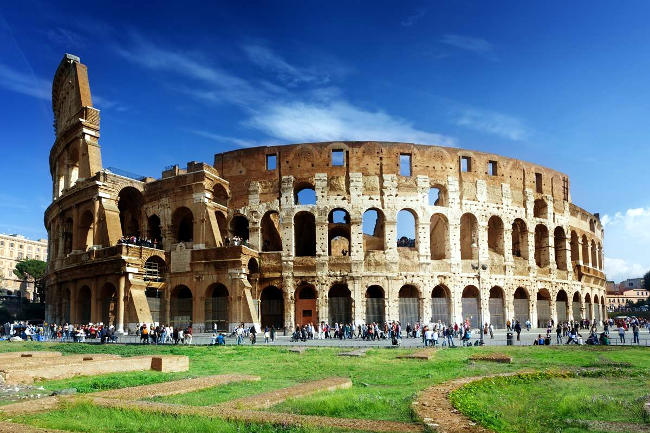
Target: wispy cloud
x: 221, y: 139
x: 627, y: 235
x: 24, y: 83
x: 65, y: 37
x: 108, y: 104
x: 477, y: 46
x: 292, y: 75
x: 414, y: 18
x: 620, y: 269
x: 491, y: 122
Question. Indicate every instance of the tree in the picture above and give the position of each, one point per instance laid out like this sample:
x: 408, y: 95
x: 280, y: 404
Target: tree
x: 30, y: 269
x: 646, y: 281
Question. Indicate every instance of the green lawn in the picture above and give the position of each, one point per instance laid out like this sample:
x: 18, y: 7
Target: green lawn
x: 383, y: 387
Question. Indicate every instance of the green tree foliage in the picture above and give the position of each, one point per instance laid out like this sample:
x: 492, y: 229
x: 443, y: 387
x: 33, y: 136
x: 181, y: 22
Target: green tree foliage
x: 646, y: 281
x: 30, y: 269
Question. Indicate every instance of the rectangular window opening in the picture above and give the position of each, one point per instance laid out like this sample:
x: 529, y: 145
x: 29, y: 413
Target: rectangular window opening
x: 538, y: 182
x: 338, y: 159
x: 492, y: 168
x: 271, y: 162
x: 405, y: 164
x: 465, y: 164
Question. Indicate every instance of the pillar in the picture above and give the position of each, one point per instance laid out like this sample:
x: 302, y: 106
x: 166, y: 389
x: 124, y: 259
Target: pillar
x: 120, y: 304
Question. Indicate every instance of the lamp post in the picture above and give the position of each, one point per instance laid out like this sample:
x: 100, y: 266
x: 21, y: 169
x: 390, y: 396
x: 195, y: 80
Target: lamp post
x: 478, y: 267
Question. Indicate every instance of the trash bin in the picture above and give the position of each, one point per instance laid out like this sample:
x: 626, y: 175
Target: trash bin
x: 509, y: 339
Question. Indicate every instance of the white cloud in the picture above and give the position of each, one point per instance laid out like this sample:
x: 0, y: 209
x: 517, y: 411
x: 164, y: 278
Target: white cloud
x: 299, y: 121
x: 627, y: 242
x: 292, y: 75
x: 477, y: 46
x: 492, y: 122
x: 24, y: 83
x: 221, y: 139
x: 413, y: 18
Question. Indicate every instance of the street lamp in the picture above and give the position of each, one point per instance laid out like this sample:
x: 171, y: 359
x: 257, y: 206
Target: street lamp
x: 478, y: 267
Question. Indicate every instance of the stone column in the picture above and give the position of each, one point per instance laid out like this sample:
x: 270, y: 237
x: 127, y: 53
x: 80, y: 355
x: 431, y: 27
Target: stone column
x: 532, y: 309
x: 120, y: 304
x: 553, y: 309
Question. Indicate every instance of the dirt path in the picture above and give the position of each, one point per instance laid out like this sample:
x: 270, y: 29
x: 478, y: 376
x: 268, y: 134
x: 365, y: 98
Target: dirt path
x: 423, y: 355
x: 9, y: 427
x: 271, y: 398
x: 174, y: 387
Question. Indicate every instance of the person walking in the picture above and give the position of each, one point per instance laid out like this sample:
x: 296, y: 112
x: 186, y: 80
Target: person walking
x: 517, y: 329
x: 621, y: 334
x: 635, y: 334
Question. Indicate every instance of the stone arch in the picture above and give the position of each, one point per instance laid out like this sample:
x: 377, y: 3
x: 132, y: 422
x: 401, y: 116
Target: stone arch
x: 519, y: 239
x: 592, y: 226
x: 304, y: 226
x: 540, y: 208
x: 596, y: 309
x: 272, y: 307
x: 471, y: 303
x: 155, y: 268
x: 468, y: 236
x: 129, y: 203
x: 108, y: 304
x: 338, y: 232
x: 220, y: 195
x: 594, y: 255
x: 84, y: 297
x: 216, y: 307
x: 407, y: 228
x: 588, y: 306
x: 304, y: 194
x: 375, y: 305
x: 409, y: 305
x: 585, y: 251
x: 374, y: 230
x: 438, y: 195
x: 495, y: 235
x: 181, y: 308
x: 439, y: 237
x: 271, y: 238
x: 541, y: 246
x: 576, y: 304
x: 543, y: 308
x: 559, y: 242
x: 239, y: 228
x: 85, y: 230
x: 575, y: 247
x: 67, y: 235
x: 441, y: 305
x: 562, y: 306
x: 72, y: 166
x: 306, y: 304
x: 183, y: 224
x: 155, y: 230
x: 222, y: 226
x: 601, y: 261
x: 339, y: 304
x: 497, y: 307
x: 521, y: 303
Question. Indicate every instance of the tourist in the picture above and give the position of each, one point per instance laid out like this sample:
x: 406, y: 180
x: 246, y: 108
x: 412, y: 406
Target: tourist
x: 621, y: 334
x: 635, y: 333
x: 517, y: 329
x: 267, y: 335
x: 240, y: 334
x: 558, y: 333
x: 528, y: 325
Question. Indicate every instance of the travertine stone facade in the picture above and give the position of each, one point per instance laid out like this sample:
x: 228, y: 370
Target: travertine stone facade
x: 491, y: 237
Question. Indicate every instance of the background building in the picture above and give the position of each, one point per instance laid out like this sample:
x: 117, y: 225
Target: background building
x: 629, y: 291
x: 14, y: 248
x: 345, y: 232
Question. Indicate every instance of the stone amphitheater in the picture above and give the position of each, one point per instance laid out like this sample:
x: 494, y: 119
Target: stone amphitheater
x: 336, y: 231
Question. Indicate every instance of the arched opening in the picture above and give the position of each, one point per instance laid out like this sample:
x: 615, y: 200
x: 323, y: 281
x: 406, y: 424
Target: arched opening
x: 253, y: 266
x: 439, y: 237
x: 272, y: 308
x: 519, y: 239
x: 108, y: 302
x: 594, y: 255
x: 468, y: 235
x: 603, y: 309
x: 239, y: 230
x: 155, y: 230
x: 592, y: 226
x: 373, y: 223
x: 220, y: 195
x: 562, y: 306
x: 65, y: 306
x: 575, y: 306
x: 67, y: 236
x: 271, y: 239
x: 495, y: 235
x: 575, y: 247
x: 154, y: 300
x: 541, y: 246
x: 406, y: 228
x: 585, y: 251
x: 154, y: 269
x: 73, y: 167
x: 440, y: 301
x: 183, y: 224
x: 540, y: 209
x: 437, y: 196
x: 601, y: 262
x: 305, y: 194
x: 83, y: 305
x: 222, y: 225
x: 596, y: 311
x: 588, y: 307
x: 375, y: 305
x: 306, y: 305
x: 543, y: 308
x: 216, y: 307
x: 559, y: 241
x: 496, y: 305
x: 129, y: 203
x: 339, y: 304
x: 338, y: 233
x: 521, y: 305
x: 181, y: 307
x: 304, y: 238
x: 471, y: 306
x: 409, y: 305
x: 85, y: 230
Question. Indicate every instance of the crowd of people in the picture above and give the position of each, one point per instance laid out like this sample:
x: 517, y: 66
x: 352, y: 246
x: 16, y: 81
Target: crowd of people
x: 63, y: 332
x: 164, y: 334
x: 139, y: 242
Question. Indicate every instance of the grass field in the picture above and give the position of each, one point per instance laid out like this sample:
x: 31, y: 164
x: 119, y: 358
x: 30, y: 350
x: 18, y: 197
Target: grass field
x: 383, y: 386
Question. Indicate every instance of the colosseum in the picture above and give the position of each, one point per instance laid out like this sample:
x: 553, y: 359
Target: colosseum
x: 336, y: 231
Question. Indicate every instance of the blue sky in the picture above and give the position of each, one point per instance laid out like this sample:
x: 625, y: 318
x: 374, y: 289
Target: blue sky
x: 560, y: 84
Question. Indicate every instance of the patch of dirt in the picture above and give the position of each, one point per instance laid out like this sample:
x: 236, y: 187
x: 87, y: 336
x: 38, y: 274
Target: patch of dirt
x: 423, y: 355
x: 30, y: 406
x: 491, y: 357
x: 174, y: 387
x: 357, y: 353
x: 10, y: 427
x: 271, y: 398
x: 610, y: 426
x: 34, y: 354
